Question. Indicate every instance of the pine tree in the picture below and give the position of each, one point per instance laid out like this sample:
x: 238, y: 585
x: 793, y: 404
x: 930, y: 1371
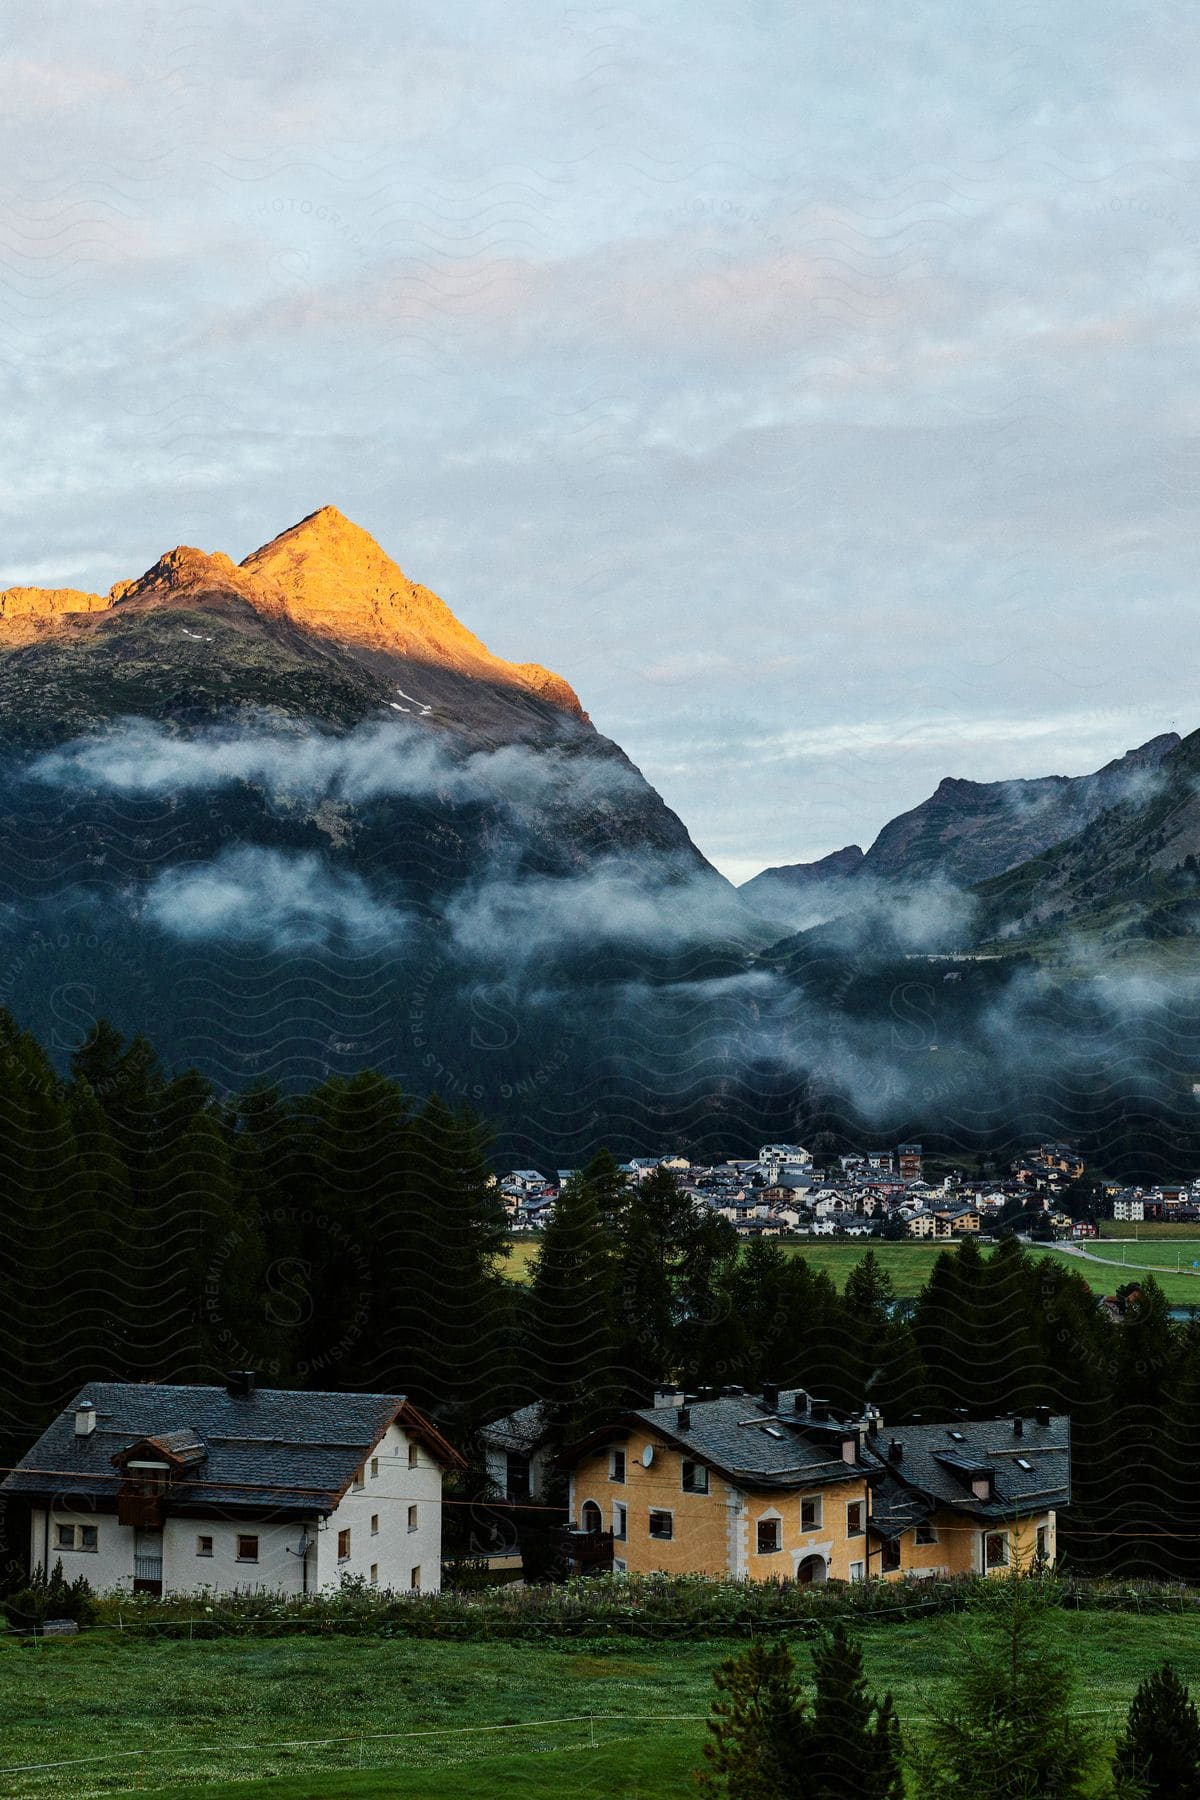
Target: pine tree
x: 1008, y: 1732
x: 758, y: 1726
x: 1158, y: 1754
x: 852, y: 1746
x: 570, y: 1322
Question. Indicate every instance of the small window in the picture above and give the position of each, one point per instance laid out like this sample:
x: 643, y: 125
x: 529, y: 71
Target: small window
x: 204, y: 1546
x: 247, y: 1549
x: 889, y: 1557
x: 858, y: 1571
x: 374, y: 1468
x: 925, y: 1534
x: 374, y: 1524
x: 412, y: 1518
x: 616, y: 1466
x: 414, y: 1578
x: 768, y: 1537
x: 359, y: 1475
x: 89, y: 1537
x: 344, y: 1545
x: 412, y: 1456
x: 66, y: 1537
x: 1023, y: 1462
x: 810, y: 1514
x: 374, y: 1574
x: 695, y: 1478
x: 662, y: 1524
x: 1043, y: 1544
x: 995, y: 1550
x: 620, y: 1525
x: 854, y: 1519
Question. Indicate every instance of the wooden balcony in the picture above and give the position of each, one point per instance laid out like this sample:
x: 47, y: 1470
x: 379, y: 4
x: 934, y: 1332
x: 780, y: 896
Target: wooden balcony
x: 589, y: 1552
x: 143, y: 1511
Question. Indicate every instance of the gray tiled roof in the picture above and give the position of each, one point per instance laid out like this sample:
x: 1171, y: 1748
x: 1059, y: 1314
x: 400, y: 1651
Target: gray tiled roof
x: 522, y: 1431
x: 938, y: 1464
x: 762, y: 1446
x: 273, y: 1448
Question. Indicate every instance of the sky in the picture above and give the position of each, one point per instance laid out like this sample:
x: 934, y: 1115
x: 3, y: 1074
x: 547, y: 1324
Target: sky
x: 813, y: 386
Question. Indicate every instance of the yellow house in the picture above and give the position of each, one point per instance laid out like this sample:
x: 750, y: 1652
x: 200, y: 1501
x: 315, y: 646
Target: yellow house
x: 757, y: 1487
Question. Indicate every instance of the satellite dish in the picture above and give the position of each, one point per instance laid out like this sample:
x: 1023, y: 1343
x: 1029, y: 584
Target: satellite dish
x: 647, y: 1456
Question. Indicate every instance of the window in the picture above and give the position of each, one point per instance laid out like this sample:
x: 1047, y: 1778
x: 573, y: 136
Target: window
x: 204, y: 1546
x: 995, y: 1549
x: 925, y: 1534
x: 78, y: 1537
x: 616, y: 1466
x: 516, y: 1476
x: 590, y: 1518
x: 854, y: 1519
x: 768, y: 1536
x: 374, y: 1574
x: 620, y: 1523
x: 247, y: 1549
x: 662, y: 1524
x: 374, y: 1524
x: 695, y: 1478
x: 889, y: 1558
x: 810, y: 1514
x: 344, y: 1545
x: 414, y: 1579
x: 1043, y: 1544
x: 412, y: 1456
x: 374, y: 1468
x: 412, y: 1518
x: 858, y: 1571
x: 358, y: 1478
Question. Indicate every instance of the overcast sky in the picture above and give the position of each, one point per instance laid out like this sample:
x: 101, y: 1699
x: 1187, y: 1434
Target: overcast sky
x: 813, y: 384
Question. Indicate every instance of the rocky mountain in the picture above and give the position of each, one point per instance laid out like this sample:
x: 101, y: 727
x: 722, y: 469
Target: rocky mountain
x: 973, y: 831
x: 784, y: 894
x: 1128, y: 876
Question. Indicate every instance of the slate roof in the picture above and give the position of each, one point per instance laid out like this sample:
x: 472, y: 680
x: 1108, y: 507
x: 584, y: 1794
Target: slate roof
x: 754, y: 1445
x: 275, y: 1448
x: 936, y: 1469
x: 521, y: 1431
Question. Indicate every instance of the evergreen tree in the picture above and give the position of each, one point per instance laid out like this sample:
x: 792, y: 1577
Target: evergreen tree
x: 1158, y: 1754
x: 570, y: 1323
x: 1008, y: 1731
x: 852, y: 1746
x: 757, y: 1725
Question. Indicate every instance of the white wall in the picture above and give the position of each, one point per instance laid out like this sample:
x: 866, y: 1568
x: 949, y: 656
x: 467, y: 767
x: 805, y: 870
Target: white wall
x: 394, y: 1551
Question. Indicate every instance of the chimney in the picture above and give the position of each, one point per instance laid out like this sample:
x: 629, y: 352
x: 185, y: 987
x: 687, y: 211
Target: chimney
x: 239, y: 1383
x: 667, y: 1396
x: 801, y: 1400
x: 85, y: 1418
x: 770, y: 1393
x: 1041, y: 1415
x: 820, y: 1411
x: 895, y: 1451
x: 685, y: 1418
x: 850, y: 1449
x: 1018, y: 1425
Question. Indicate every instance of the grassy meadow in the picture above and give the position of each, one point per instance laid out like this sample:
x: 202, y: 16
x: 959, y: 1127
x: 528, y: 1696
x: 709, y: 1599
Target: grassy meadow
x: 333, y: 1716
x: 909, y: 1264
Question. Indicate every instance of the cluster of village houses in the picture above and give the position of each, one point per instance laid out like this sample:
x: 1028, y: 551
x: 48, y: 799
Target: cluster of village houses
x: 781, y: 1192
x: 156, y: 1489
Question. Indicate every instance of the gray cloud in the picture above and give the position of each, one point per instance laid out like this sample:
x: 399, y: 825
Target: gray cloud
x: 253, y: 895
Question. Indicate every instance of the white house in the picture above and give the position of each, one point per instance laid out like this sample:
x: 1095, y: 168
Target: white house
x: 1129, y: 1210
x: 519, y: 1452
x: 160, y: 1489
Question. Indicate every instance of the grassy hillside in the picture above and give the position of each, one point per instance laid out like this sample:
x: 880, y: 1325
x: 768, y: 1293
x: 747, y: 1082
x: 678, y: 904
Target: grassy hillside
x: 430, y: 1720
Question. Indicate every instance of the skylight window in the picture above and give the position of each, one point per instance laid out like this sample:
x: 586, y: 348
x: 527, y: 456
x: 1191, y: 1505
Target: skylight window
x: 958, y: 1437
x: 1023, y: 1464
x: 772, y: 1431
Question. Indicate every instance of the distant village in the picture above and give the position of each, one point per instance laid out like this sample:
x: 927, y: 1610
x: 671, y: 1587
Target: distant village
x: 784, y: 1193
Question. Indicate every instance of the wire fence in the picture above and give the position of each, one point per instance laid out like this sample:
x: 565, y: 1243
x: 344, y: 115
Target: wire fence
x: 163, y: 1765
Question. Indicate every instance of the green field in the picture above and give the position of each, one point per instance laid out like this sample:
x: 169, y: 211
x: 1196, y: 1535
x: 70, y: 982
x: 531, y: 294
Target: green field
x: 1149, y: 1233
x: 908, y: 1264
x: 303, y: 1718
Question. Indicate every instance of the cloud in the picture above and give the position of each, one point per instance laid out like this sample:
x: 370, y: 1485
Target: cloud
x: 386, y: 760
x: 253, y: 895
